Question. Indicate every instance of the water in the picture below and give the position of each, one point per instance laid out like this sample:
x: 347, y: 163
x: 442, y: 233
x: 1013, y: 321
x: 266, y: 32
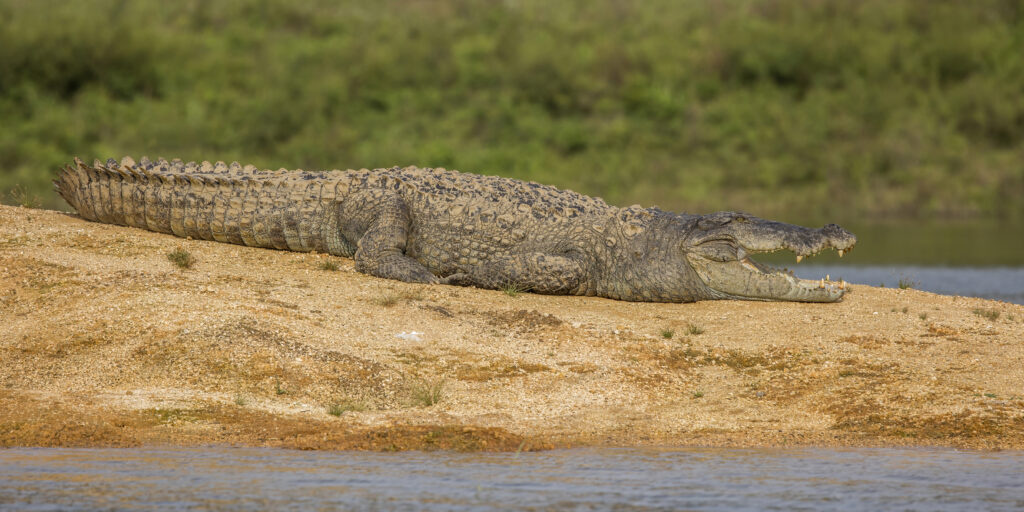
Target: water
x: 580, y: 479
x: 940, y: 244
x: 999, y: 283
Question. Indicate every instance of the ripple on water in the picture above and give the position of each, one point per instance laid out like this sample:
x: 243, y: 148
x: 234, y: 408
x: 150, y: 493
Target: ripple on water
x: 580, y: 479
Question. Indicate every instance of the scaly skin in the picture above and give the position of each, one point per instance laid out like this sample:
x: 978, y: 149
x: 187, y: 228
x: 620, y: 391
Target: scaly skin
x: 439, y: 226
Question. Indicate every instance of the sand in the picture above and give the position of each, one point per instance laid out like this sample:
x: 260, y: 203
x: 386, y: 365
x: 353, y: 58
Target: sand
x: 107, y: 342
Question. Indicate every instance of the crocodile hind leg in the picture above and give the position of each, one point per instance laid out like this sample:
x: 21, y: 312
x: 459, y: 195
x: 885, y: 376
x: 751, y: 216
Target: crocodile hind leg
x: 536, y: 272
x: 381, y: 249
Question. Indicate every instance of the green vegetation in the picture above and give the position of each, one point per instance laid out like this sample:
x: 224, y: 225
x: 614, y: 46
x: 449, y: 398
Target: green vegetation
x: 22, y: 197
x: 789, y: 108
x: 387, y: 300
x: 694, y: 329
x: 181, y: 258
x: 906, y: 284
x: 990, y: 314
x: 328, y: 265
x: 427, y: 393
x: 667, y: 333
x: 512, y: 289
x: 339, y: 408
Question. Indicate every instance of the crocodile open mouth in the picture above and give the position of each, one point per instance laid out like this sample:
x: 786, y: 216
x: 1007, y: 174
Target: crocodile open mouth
x: 748, y: 279
x: 725, y: 265
x: 824, y: 288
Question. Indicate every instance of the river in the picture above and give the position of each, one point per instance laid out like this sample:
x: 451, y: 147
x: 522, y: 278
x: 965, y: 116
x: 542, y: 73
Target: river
x: 997, y: 283
x: 579, y: 479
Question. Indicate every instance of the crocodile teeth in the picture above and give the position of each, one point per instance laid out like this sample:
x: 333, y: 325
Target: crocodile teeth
x: 798, y: 258
x: 841, y: 253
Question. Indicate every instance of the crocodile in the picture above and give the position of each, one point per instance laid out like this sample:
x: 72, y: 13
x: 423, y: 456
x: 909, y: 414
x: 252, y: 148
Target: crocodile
x: 425, y: 225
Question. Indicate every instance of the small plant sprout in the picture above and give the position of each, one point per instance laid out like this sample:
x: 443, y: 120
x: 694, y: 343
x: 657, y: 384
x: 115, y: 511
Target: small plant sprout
x: 328, y: 265
x: 512, y: 289
x: 339, y: 408
x: 923, y: 316
x: 181, y: 258
x: 905, y: 283
x: 667, y: 333
x: 694, y: 329
x: 698, y: 394
x: 278, y: 389
x: 391, y: 298
x: 240, y: 400
x: 22, y: 197
x: 428, y: 393
x: 990, y: 314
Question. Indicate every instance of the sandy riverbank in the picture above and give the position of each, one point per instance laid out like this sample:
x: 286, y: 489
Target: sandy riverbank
x: 105, y: 342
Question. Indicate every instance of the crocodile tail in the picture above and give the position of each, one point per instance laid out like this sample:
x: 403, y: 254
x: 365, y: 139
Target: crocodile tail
x: 88, y: 190
x: 110, y: 192
x: 167, y: 197
x: 226, y: 203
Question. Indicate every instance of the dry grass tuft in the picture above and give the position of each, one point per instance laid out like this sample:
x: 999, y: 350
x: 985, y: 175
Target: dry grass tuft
x: 24, y: 198
x: 988, y: 314
x: 390, y: 299
x: 343, y: 406
x: 498, y: 370
x: 181, y: 258
x: 866, y: 340
x: 427, y: 392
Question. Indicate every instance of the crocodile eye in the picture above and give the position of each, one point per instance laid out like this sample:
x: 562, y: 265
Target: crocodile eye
x: 709, y: 222
x: 717, y: 250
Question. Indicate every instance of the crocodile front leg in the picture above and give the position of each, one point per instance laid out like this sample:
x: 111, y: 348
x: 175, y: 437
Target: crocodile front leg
x: 535, y: 272
x: 381, y: 249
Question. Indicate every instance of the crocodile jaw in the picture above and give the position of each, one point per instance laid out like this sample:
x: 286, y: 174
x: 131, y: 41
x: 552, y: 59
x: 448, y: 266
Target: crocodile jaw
x: 746, y: 279
x: 719, y: 253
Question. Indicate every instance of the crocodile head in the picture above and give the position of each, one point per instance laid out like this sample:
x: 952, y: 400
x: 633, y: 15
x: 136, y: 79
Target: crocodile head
x: 718, y: 249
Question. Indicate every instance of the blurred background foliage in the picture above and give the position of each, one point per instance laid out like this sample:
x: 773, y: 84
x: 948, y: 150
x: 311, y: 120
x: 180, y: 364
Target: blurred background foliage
x: 796, y: 109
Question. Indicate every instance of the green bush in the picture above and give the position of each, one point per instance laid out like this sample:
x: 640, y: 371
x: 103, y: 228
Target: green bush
x: 791, y: 108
